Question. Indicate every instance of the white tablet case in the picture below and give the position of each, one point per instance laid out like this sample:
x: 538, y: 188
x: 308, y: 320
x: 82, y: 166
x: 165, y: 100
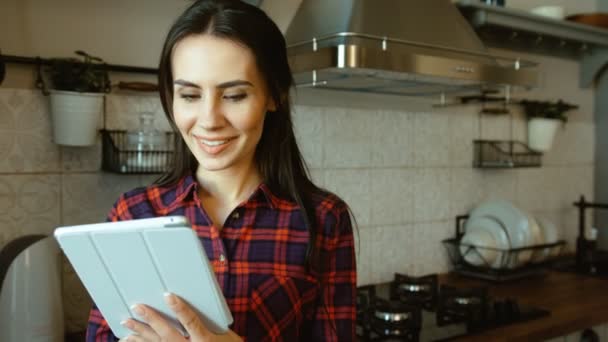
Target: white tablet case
x: 129, y: 262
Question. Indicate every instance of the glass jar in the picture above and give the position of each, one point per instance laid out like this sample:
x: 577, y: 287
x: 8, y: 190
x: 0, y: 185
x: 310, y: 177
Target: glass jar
x: 147, y: 146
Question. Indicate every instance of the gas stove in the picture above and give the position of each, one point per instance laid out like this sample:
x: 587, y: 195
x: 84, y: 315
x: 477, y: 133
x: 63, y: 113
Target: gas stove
x: 421, y: 309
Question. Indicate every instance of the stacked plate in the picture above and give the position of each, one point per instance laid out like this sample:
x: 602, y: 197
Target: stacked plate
x: 496, y: 229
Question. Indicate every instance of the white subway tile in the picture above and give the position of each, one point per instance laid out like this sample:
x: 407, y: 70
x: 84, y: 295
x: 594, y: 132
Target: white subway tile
x: 347, y: 140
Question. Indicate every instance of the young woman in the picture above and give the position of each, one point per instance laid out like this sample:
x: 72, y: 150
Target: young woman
x: 282, y: 248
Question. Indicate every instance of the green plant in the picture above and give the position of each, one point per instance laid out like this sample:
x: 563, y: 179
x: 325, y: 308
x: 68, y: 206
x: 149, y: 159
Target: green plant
x: 86, y: 75
x: 547, y: 109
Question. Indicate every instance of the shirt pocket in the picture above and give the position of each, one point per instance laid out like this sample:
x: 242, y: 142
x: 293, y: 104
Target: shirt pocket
x: 279, y: 307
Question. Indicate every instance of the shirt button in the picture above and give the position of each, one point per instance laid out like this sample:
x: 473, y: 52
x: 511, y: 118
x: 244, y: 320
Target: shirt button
x: 236, y: 216
x: 222, y: 258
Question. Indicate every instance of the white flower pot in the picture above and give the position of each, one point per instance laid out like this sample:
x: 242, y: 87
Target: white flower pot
x: 541, y: 132
x: 75, y: 117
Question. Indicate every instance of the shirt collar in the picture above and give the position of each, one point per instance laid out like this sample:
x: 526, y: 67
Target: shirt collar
x: 188, y: 185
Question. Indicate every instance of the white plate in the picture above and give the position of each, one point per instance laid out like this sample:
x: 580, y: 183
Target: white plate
x: 550, y: 234
x: 513, y: 219
x: 478, y: 248
x: 493, y: 227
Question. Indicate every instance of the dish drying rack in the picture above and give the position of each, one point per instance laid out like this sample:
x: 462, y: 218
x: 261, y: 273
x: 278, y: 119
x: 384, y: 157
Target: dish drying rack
x: 118, y: 158
x: 514, y: 263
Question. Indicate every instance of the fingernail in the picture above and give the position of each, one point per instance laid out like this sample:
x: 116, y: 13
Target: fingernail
x: 170, y: 298
x: 138, y: 310
x: 126, y: 323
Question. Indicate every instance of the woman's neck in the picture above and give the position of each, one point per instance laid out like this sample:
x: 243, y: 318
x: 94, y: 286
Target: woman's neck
x: 230, y: 186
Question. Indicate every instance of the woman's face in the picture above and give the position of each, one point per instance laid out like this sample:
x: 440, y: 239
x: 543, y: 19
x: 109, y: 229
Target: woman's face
x: 220, y: 101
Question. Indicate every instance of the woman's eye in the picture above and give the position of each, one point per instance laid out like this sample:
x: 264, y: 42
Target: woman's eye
x: 189, y: 97
x: 235, y: 98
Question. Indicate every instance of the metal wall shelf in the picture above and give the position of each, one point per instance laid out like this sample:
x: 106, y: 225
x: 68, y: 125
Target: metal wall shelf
x: 516, y: 29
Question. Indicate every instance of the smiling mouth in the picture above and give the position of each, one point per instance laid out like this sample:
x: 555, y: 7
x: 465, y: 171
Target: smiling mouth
x: 213, y: 143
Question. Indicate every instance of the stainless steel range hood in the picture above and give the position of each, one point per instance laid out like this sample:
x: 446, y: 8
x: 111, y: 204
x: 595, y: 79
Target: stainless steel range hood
x: 406, y: 47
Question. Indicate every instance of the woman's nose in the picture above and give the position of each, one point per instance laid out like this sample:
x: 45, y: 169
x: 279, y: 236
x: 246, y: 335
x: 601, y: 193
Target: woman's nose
x: 210, y: 115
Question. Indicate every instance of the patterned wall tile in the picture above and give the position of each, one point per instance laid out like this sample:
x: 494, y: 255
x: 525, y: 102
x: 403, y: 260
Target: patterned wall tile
x: 81, y: 159
x: 392, y: 140
x: 88, y: 198
x: 28, y: 205
x: 76, y: 300
x: 25, y: 133
x: 122, y: 111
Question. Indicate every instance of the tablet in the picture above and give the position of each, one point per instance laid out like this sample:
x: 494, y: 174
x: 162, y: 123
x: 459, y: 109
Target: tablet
x: 129, y: 262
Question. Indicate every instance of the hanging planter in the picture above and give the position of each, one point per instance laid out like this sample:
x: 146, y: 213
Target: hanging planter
x: 76, y: 98
x: 544, y: 118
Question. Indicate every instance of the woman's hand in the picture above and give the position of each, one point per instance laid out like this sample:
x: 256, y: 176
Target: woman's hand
x: 158, y: 329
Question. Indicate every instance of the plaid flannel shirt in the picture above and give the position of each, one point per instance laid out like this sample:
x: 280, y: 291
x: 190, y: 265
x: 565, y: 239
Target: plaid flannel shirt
x: 258, y: 258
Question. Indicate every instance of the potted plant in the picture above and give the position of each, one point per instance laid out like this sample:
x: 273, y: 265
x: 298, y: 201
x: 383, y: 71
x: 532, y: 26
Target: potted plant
x: 544, y: 118
x: 76, y: 96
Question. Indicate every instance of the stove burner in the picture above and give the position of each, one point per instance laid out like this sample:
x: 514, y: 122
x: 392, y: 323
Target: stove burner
x: 456, y: 305
x: 466, y: 301
x: 394, y: 311
x: 418, y: 291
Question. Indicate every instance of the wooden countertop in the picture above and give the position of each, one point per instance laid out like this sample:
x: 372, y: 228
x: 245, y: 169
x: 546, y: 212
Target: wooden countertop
x: 576, y: 302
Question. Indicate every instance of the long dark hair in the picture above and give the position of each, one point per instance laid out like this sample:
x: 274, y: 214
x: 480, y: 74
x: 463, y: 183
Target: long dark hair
x: 277, y: 155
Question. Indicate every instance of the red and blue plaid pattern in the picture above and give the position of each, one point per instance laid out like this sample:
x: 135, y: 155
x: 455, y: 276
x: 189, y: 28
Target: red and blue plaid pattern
x: 258, y: 257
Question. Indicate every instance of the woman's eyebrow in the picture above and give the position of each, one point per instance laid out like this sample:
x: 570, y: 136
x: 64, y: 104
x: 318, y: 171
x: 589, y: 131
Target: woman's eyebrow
x: 186, y: 83
x: 224, y: 85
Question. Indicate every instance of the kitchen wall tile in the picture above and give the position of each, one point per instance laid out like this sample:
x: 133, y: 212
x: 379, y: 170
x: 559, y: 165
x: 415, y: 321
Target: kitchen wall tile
x: 318, y: 177
x: 364, y: 246
x: 25, y: 133
x: 76, y: 300
x: 392, y: 190
x: 88, y: 198
x: 146, y: 180
x: 395, y: 252
x: 431, y: 139
x: 538, y: 188
x: 463, y: 125
x: 393, y: 139
x: 122, y: 112
x: 308, y: 126
x: 81, y: 159
x: 496, y: 127
x: 574, y: 143
x: 431, y: 194
x: 500, y: 184
x: 431, y: 255
x: 28, y: 205
x: 354, y: 187
x: 575, y: 181
x: 466, y: 190
x: 347, y: 138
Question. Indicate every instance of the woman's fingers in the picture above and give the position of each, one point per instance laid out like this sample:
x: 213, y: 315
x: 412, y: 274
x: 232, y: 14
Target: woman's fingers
x: 187, y: 317
x: 142, y: 330
x: 157, y: 324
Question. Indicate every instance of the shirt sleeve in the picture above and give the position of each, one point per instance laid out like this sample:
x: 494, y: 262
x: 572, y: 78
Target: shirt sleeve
x: 98, y: 329
x: 335, y: 316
